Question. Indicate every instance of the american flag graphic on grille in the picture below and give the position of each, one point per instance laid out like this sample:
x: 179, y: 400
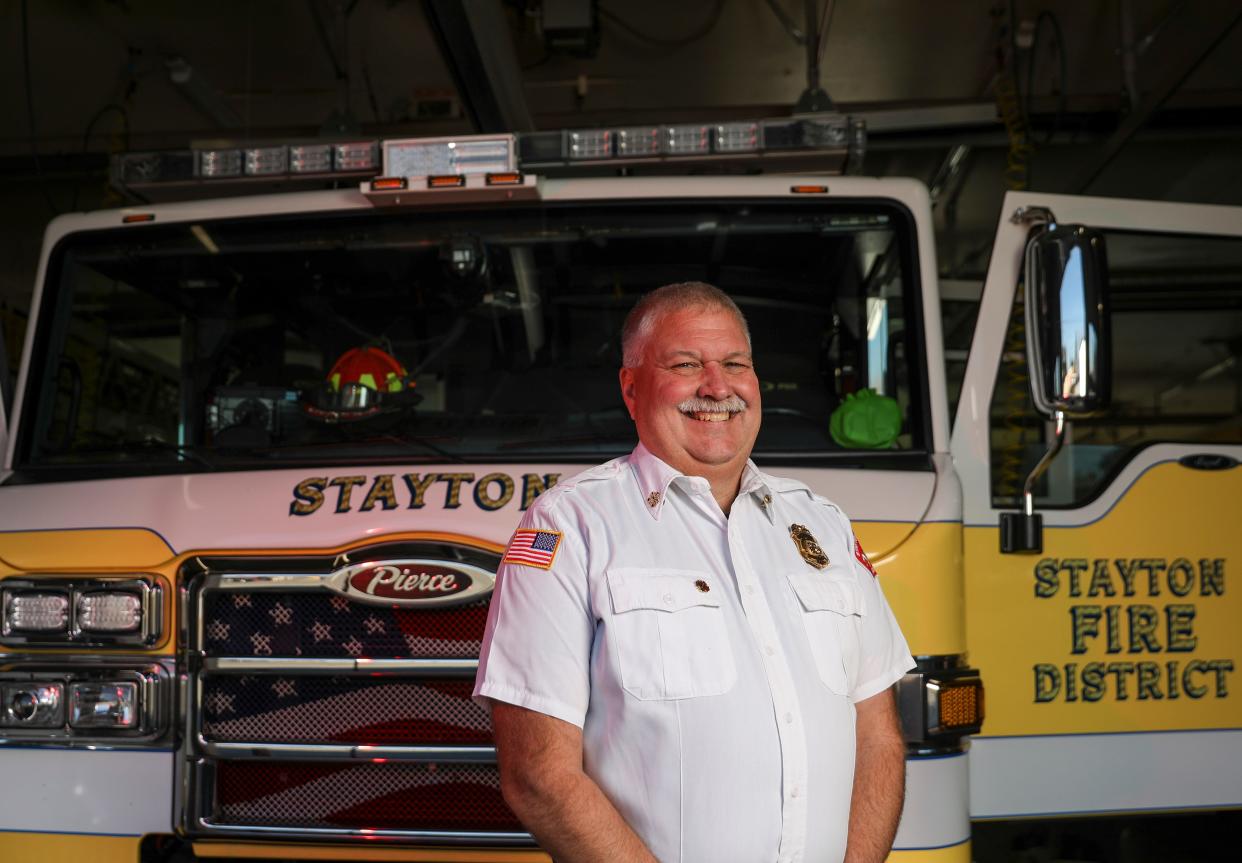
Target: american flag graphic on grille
x: 394, y: 795
x: 361, y: 711
x: 347, y: 709
x: 324, y: 624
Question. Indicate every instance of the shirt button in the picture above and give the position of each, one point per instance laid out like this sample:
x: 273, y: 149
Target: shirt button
x: 789, y: 718
x: 668, y: 599
x: 769, y: 650
x: 794, y: 792
x: 750, y: 588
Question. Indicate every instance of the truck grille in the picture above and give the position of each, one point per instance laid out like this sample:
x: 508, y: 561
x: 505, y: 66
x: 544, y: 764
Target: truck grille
x: 404, y: 796
x: 308, y: 709
x: 280, y: 623
x: 313, y: 714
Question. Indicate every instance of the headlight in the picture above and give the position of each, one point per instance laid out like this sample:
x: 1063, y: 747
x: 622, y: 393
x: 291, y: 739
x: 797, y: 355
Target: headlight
x: 63, y: 610
x: 33, y: 705
x: 70, y: 700
x: 103, y: 705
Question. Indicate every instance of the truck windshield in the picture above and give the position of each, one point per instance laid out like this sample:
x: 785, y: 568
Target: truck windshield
x: 238, y: 343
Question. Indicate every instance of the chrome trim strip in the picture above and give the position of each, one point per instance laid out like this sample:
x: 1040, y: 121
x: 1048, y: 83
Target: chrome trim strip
x: 278, y: 665
x: 282, y: 665
x: 473, y: 836
x: 264, y: 581
x: 78, y: 661
x: 422, y: 667
x: 182, y: 794
x: 334, y: 751
x: 443, y: 754
x: 95, y: 744
x: 188, y: 768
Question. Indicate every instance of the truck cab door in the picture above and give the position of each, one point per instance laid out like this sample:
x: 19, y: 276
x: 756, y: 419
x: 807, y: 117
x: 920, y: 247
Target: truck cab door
x: 1110, y: 655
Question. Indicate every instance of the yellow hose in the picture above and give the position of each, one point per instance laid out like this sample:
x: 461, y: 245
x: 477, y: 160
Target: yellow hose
x: 1011, y: 400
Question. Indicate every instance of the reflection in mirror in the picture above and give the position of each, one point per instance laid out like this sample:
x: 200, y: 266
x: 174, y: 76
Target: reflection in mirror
x: 1073, y: 330
x: 1067, y: 320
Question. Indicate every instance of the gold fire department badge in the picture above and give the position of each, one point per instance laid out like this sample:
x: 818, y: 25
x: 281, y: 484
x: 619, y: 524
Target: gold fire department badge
x: 808, y: 547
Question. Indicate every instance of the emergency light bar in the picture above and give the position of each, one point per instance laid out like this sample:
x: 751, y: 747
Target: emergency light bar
x: 428, y: 157
x: 695, y: 140
x: 833, y: 142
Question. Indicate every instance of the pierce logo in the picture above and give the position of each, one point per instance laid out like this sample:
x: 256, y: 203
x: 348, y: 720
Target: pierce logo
x: 410, y: 582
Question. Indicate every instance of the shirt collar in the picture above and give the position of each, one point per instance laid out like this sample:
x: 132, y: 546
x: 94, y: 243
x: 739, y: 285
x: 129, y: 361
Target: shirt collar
x: 654, y: 477
x: 758, y: 485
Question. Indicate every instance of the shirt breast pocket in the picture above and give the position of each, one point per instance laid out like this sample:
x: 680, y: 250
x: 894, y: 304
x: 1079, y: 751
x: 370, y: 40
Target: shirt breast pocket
x: 669, y: 634
x: 832, y: 611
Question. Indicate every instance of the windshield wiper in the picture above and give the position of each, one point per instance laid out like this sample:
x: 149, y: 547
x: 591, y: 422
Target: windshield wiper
x: 129, y: 452
x: 319, y: 448
x: 567, y: 440
x: 407, y: 442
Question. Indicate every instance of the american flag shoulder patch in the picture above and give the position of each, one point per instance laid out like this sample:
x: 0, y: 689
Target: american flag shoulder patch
x: 530, y: 547
x: 862, y: 558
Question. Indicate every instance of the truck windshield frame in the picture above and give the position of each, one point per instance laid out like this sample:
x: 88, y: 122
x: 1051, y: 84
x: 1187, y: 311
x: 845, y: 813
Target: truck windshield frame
x: 181, y: 347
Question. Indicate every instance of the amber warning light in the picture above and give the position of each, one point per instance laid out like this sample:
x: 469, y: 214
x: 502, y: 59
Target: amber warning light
x: 507, y: 178
x: 388, y: 184
x: 961, y: 706
x: 446, y: 181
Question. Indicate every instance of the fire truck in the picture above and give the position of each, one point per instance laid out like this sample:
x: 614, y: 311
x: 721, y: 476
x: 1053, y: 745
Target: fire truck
x: 275, y: 422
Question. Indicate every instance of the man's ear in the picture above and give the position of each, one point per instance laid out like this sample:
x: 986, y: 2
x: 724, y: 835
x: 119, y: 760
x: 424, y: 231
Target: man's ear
x: 627, y: 389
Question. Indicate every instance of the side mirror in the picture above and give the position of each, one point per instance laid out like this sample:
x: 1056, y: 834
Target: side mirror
x: 1069, y: 348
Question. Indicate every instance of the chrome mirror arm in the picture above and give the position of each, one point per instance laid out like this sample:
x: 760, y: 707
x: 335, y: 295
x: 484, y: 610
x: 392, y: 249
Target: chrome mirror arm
x: 1058, y: 440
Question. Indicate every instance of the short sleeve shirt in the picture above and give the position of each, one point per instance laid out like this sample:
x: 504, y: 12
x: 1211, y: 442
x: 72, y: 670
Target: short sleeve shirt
x: 711, y: 666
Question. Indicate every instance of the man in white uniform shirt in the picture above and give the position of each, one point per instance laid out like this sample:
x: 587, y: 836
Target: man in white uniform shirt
x: 688, y: 659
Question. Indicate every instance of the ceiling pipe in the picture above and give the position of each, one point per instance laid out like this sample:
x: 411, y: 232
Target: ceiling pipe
x: 1129, y: 53
x: 814, y: 98
x: 191, y: 84
x: 477, y: 46
x: 1216, y: 22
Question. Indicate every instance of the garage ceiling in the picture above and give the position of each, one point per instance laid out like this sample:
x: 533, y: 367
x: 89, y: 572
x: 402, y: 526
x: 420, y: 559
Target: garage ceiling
x: 1132, y: 98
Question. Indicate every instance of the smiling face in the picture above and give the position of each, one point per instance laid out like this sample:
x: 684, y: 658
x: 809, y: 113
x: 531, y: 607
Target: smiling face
x: 695, y: 397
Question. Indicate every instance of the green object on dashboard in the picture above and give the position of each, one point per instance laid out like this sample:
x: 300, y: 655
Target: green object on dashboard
x: 866, y: 420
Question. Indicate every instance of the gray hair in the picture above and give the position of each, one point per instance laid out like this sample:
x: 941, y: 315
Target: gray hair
x: 641, y: 321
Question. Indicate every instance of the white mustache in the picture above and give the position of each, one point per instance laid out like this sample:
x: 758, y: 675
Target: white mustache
x: 734, y: 404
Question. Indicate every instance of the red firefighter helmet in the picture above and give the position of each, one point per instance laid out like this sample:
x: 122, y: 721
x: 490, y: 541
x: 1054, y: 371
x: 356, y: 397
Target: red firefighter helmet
x: 368, y: 367
x: 359, y: 384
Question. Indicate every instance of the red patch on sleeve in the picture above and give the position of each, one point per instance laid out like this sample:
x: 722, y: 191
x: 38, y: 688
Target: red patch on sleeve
x: 862, y: 556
